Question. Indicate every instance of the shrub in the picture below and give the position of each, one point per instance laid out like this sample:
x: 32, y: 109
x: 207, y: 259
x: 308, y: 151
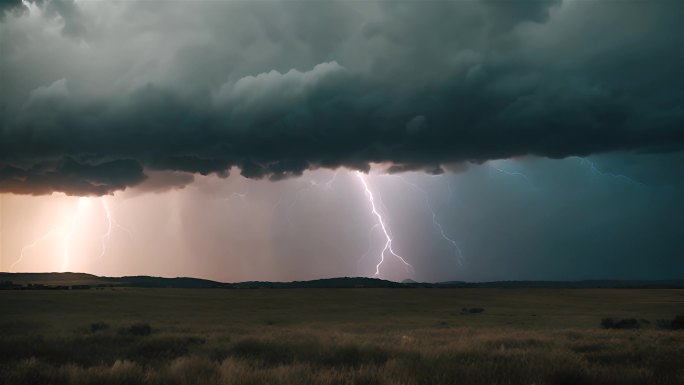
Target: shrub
x: 677, y: 323
x: 607, y: 323
x: 627, y: 323
x: 472, y: 310
x: 98, y: 326
x: 139, y: 329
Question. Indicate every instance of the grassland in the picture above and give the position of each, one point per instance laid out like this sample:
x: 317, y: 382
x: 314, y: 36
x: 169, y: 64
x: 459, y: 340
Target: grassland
x: 338, y: 336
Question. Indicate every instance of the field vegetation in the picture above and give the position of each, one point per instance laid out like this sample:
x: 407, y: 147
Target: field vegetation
x: 342, y: 336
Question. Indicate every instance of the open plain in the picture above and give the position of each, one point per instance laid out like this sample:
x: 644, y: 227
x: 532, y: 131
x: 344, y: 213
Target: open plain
x: 339, y: 336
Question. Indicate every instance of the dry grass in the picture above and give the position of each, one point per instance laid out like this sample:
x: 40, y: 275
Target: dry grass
x: 338, y: 337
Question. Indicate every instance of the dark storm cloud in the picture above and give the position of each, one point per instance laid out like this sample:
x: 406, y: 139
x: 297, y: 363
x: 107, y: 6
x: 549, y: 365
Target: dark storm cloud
x: 162, y: 181
x: 66, y: 174
x: 414, y: 85
x: 66, y: 10
x: 10, y: 5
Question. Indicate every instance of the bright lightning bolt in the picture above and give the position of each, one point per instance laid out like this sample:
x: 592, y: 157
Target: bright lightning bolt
x: 34, y: 244
x: 66, y: 241
x: 383, y: 227
x: 69, y: 231
x: 111, y: 222
x: 108, y: 234
x: 370, y: 244
x: 82, y: 202
x: 459, y: 253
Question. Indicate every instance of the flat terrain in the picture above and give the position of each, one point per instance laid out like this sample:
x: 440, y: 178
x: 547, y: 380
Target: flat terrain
x: 339, y: 336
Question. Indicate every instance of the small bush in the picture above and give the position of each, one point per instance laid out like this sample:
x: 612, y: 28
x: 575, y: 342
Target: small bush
x: 677, y: 323
x: 472, y: 310
x: 139, y: 329
x: 98, y: 326
x: 607, y: 323
x: 627, y: 323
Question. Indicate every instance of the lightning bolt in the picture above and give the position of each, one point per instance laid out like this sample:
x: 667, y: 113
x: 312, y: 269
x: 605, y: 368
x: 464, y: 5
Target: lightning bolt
x: 510, y: 173
x: 66, y: 241
x: 108, y: 234
x: 66, y: 258
x: 292, y: 204
x: 595, y: 170
x: 111, y: 222
x: 383, y: 227
x: 34, y: 244
x: 69, y: 230
x: 370, y: 244
x: 457, y: 249
x: 240, y: 196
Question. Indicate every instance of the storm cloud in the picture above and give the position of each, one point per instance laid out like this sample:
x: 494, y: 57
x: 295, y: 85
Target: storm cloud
x: 96, y: 95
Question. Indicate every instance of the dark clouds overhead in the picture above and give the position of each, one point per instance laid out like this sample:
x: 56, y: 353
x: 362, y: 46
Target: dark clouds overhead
x: 95, y: 95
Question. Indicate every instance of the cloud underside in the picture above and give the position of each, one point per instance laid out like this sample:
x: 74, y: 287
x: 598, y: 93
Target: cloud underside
x: 422, y: 98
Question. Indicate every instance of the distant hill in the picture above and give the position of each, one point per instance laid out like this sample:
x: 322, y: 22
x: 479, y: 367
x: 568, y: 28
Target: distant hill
x: 332, y: 283
x: 71, y: 279
x: 54, y: 279
x: 62, y: 280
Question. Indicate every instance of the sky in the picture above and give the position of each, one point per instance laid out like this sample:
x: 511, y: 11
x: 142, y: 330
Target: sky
x: 289, y: 140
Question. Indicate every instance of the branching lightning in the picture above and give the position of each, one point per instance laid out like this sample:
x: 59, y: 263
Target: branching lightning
x: 370, y: 244
x: 510, y: 173
x: 34, y: 244
x: 383, y: 227
x: 457, y: 249
x: 328, y: 185
x: 110, y: 223
x: 69, y: 231
x: 108, y: 234
x: 595, y: 170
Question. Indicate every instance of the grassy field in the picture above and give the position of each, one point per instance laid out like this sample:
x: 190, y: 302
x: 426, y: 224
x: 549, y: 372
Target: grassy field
x: 339, y: 336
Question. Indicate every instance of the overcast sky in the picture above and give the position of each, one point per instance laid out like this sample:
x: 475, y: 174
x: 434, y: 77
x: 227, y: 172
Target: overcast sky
x: 537, y: 139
